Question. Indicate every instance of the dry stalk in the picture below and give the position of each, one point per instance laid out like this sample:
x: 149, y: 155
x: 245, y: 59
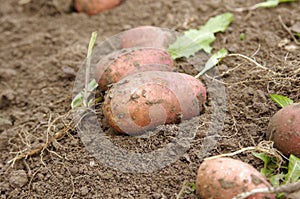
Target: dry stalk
x: 287, y: 188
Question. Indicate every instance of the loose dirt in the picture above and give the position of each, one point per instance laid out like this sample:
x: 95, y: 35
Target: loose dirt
x: 43, y: 45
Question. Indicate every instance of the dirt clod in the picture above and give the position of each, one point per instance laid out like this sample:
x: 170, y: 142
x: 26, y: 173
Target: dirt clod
x: 18, y: 178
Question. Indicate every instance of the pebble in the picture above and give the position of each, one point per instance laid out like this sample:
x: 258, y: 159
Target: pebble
x: 18, y: 178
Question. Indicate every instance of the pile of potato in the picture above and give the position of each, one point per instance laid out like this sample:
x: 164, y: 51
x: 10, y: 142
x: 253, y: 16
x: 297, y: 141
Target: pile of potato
x: 142, y: 89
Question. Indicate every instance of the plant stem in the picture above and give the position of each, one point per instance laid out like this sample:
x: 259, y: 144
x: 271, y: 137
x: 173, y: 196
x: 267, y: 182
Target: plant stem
x: 88, y: 68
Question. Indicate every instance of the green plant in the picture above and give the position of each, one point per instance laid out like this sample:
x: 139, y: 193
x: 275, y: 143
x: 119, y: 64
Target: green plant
x: 280, y: 174
x: 81, y: 99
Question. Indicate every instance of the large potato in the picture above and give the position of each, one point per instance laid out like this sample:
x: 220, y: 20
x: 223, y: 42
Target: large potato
x: 147, y: 36
x: 224, y: 178
x: 145, y: 100
x: 120, y: 64
x: 284, y: 129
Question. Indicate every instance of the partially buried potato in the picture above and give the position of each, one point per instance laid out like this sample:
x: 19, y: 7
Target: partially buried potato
x: 224, y: 178
x: 284, y: 129
x: 147, y: 36
x: 144, y: 100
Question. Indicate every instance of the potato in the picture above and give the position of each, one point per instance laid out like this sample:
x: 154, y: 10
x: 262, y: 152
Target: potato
x: 119, y: 64
x: 144, y: 100
x: 284, y: 129
x: 93, y: 7
x: 147, y: 36
x: 224, y: 178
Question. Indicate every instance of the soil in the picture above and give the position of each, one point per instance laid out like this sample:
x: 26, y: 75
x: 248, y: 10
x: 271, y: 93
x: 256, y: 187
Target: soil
x: 43, y: 45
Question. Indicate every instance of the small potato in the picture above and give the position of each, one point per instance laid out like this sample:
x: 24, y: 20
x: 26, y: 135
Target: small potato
x: 143, y: 101
x: 93, y: 7
x: 224, y: 178
x: 284, y: 129
x: 147, y: 36
x: 120, y: 64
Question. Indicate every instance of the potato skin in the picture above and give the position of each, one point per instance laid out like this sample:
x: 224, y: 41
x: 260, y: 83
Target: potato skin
x: 284, y: 129
x: 224, y: 178
x: 93, y: 7
x: 122, y: 63
x: 145, y: 100
x: 147, y: 36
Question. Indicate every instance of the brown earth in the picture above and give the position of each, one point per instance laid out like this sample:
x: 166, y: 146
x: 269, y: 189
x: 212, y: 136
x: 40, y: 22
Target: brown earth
x: 43, y: 44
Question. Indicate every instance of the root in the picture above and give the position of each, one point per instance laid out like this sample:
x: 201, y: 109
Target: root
x: 252, y: 148
x: 253, y: 61
x: 263, y: 146
x: 50, y: 139
x: 41, y: 147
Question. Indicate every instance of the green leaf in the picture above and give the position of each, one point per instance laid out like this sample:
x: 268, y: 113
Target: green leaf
x: 271, y: 3
x: 270, y: 164
x: 276, y: 180
x: 281, y: 100
x: 218, y: 23
x: 266, y: 159
x: 92, y: 85
x: 195, y: 40
x: 78, y: 99
x: 267, y: 4
x: 191, y: 42
x: 213, y: 61
x: 293, y: 174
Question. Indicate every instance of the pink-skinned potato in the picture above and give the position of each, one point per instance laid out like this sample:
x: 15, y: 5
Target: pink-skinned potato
x: 119, y: 64
x: 93, y: 7
x: 284, y: 129
x: 225, y: 178
x: 147, y: 36
x: 145, y: 100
